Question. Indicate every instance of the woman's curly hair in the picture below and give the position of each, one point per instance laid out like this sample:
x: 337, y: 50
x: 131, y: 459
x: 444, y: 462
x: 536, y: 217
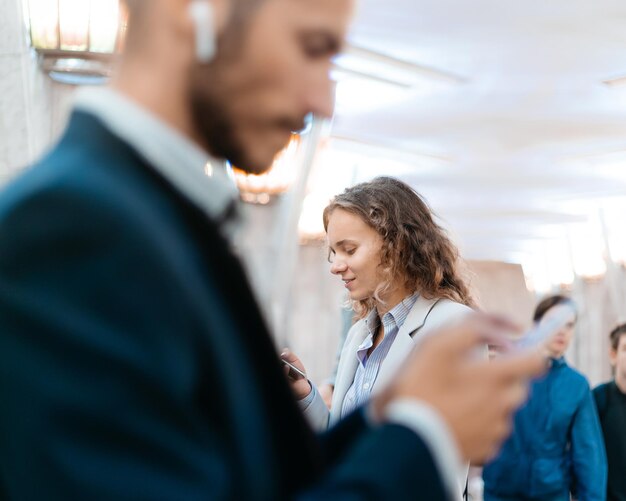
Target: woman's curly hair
x: 414, y: 246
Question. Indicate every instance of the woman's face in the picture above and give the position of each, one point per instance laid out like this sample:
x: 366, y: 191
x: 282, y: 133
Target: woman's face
x: 558, y: 344
x: 355, y: 251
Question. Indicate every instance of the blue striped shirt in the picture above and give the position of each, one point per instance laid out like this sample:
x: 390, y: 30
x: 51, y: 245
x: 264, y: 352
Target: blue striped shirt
x: 368, y: 367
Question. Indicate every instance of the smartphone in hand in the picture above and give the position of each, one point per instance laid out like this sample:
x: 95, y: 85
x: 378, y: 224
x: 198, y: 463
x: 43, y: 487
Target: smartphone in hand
x: 294, y: 372
x: 545, y: 329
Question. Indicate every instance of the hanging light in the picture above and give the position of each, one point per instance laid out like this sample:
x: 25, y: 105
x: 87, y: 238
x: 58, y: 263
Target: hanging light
x: 76, y: 39
x: 260, y: 189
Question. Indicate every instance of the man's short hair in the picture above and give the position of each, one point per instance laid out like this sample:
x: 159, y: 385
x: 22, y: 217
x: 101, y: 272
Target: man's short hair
x: 550, y: 302
x: 616, y: 334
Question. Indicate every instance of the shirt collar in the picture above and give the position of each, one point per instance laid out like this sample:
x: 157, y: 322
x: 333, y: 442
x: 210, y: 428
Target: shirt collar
x: 201, y: 179
x: 395, y: 316
x: 558, y: 362
x: 618, y: 389
x: 399, y: 312
x: 372, y: 321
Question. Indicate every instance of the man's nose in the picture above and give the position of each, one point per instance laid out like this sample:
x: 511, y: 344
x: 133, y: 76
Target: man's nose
x: 321, y: 96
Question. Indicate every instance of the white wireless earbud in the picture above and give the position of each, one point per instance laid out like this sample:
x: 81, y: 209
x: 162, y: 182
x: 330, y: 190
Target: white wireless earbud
x: 201, y: 13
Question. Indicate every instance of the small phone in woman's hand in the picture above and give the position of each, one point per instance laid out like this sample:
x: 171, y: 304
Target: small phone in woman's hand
x: 294, y: 372
x: 544, y: 330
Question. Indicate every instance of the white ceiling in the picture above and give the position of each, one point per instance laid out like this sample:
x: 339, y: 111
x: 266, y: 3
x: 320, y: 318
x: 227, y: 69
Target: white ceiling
x: 508, y: 156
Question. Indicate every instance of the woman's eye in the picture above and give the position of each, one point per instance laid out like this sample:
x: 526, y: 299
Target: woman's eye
x: 350, y: 251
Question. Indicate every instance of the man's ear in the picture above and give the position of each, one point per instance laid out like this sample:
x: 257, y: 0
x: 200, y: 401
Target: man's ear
x: 613, y: 357
x: 202, y: 14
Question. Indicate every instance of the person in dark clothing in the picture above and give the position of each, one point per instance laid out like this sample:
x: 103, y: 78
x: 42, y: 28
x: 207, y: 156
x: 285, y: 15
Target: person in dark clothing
x: 556, y: 441
x: 611, y: 402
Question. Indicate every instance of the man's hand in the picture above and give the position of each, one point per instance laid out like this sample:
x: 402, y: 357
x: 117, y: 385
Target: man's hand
x: 475, y: 397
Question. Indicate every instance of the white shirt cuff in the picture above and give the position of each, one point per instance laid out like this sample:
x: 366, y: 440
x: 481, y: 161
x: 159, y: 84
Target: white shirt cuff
x: 432, y: 429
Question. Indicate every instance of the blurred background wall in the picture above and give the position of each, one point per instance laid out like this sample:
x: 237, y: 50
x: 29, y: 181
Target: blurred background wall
x: 33, y: 108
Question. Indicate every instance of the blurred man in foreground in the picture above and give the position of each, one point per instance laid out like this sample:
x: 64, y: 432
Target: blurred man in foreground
x: 134, y: 362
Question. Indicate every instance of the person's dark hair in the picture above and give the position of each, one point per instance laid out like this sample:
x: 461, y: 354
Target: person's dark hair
x: 414, y: 245
x: 550, y: 302
x: 616, y: 334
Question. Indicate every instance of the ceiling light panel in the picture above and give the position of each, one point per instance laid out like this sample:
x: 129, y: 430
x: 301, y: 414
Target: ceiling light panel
x: 368, y: 80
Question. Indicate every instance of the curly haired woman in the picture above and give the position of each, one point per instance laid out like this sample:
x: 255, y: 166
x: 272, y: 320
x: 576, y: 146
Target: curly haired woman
x: 401, y: 272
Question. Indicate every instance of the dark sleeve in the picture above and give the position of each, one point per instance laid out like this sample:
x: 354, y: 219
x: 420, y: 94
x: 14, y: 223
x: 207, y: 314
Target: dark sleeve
x: 384, y: 462
x: 600, y: 399
x: 342, y: 435
x: 588, y: 454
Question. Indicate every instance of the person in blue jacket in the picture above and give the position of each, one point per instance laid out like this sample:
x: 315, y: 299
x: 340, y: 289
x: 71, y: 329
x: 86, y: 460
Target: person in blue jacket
x: 556, y: 442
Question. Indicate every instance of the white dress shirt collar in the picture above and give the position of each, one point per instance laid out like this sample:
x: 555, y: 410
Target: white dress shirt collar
x: 187, y: 167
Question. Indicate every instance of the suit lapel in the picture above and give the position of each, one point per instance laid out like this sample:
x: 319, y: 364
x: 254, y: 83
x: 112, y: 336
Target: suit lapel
x: 417, y: 317
x: 282, y: 416
x: 405, y: 339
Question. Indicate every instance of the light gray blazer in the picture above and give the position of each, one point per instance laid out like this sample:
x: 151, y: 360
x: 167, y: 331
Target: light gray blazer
x: 426, y: 315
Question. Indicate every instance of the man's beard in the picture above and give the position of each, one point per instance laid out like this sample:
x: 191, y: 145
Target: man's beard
x: 216, y: 129
x: 215, y: 126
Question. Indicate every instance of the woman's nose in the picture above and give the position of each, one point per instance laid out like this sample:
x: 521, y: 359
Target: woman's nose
x: 338, y: 266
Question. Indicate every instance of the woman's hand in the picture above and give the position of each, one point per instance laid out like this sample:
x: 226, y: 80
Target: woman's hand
x: 299, y: 383
x: 326, y: 392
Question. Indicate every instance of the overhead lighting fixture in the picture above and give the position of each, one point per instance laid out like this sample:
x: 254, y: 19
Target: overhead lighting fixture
x: 609, y: 165
x: 359, y: 94
x: 598, y: 158
x: 382, y: 67
x: 76, y: 39
x: 376, y: 149
x: 619, y: 81
x: 368, y: 79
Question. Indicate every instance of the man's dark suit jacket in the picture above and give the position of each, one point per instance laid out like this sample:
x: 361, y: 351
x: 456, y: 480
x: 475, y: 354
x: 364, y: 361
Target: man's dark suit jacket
x: 134, y: 362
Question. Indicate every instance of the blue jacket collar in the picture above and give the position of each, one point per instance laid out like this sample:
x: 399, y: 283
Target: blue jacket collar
x: 558, y: 362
